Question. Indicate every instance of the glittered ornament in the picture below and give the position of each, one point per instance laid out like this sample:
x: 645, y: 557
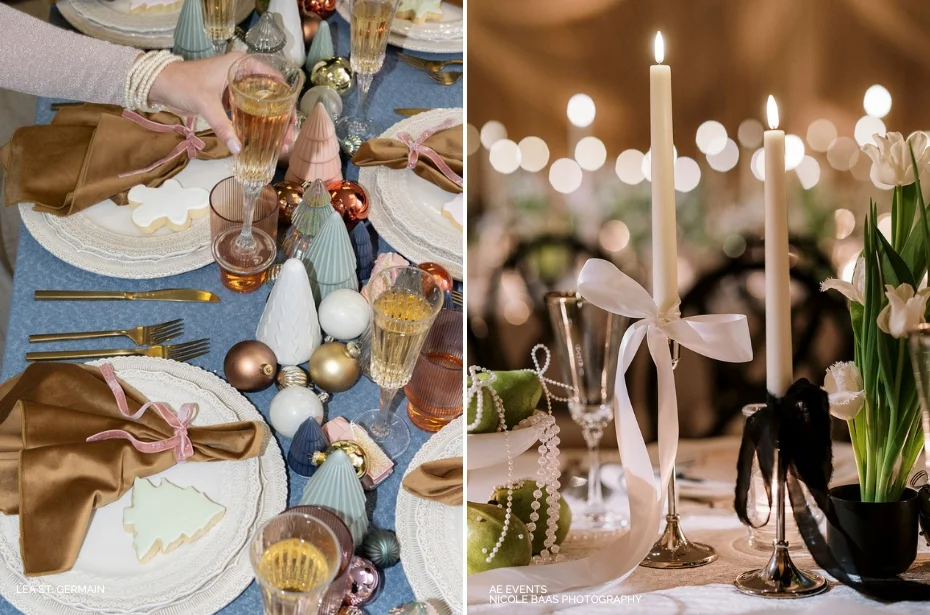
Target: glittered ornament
x: 292, y: 376
x: 323, y: 8
x: 351, y: 610
x: 350, y: 199
x: 309, y: 24
x: 351, y: 144
x: 414, y: 608
x: 308, y: 440
x: 334, y: 367
x: 307, y: 220
x: 381, y: 548
x: 335, y: 73
x: 291, y: 407
x: 353, y: 450
x: 439, y: 273
x: 250, y: 366
x: 289, y: 196
x: 364, y: 582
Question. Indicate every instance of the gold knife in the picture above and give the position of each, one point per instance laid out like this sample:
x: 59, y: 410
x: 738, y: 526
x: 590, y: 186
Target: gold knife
x: 410, y: 111
x: 168, y: 294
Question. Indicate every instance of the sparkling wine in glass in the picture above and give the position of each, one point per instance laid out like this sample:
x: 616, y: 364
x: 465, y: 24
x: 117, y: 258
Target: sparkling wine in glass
x: 405, y: 302
x: 219, y: 21
x: 371, y: 23
x: 263, y: 93
x: 587, y: 341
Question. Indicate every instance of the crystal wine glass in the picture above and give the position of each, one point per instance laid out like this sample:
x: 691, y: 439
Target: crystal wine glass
x: 404, y: 302
x: 263, y: 91
x: 587, y: 343
x: 371, y: 25
x: 219, y: 21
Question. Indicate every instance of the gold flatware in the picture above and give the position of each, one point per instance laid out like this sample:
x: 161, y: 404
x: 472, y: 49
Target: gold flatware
x: 447, y: 78
x: 176, y: 352
x: 433, y: 66
x: 457, y: 298
x: 167, y: 294
x: 142, y: 336
x: 411, y: 111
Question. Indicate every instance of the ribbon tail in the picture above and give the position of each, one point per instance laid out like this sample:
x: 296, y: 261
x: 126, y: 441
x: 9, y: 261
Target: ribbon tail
x: 657, y: 341
x: 757, y: 442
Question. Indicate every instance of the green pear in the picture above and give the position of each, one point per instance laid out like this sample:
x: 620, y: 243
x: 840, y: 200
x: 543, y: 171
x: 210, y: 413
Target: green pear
x: 522, y: 498
x: 519, y: 391
x: 485, y: 522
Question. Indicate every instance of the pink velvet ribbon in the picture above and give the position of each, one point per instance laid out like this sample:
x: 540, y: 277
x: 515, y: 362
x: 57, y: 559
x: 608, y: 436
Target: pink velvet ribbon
x: 191, y: 143
x: 180, y: 441
x: 417, y: 149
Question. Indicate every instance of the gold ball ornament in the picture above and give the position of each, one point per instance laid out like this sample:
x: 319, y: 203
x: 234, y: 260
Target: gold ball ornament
x: 289, y: 195
x: 291, y: 376
x: 334, y: 366
x: 353, y: 450
x: 250, y: 366
x: 334, y: 73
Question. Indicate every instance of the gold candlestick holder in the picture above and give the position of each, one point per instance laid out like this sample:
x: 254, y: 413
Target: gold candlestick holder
x: 673, y: 550
x: 780, y: 578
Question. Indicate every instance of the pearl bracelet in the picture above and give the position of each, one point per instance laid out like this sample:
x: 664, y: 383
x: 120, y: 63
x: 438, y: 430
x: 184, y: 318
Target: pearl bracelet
x: 142, y: 76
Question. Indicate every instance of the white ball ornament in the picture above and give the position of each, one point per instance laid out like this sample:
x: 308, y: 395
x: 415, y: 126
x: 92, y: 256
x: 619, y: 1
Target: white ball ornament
x: 344, y: 314
x: 291, y: 407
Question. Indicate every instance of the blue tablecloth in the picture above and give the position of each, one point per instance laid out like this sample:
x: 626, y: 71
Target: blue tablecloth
x: 230, y: 321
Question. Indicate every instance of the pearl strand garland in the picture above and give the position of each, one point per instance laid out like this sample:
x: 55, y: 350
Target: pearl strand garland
x: 141, y: 77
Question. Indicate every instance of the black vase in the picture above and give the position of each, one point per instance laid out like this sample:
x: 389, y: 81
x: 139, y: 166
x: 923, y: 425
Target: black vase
x: 878, y: 539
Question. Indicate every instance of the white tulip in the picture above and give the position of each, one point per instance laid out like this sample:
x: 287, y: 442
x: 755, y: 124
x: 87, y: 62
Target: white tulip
x: 855, y: 290
x: 844, y: 387
x: 891, y: 159
x: 905, y: 310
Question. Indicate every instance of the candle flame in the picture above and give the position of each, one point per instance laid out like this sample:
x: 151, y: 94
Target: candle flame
x: 659, y: 48
x: 771, y: 110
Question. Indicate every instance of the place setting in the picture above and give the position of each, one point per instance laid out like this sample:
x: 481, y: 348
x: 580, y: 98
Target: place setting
x: 241, y: 309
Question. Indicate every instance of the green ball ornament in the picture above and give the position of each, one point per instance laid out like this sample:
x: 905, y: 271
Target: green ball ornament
x: 381, y: 548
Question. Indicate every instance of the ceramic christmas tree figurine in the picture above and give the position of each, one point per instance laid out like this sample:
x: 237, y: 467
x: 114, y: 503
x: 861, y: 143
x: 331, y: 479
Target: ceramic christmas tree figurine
x: 309, y: 439
x: 289, y: 16
x: 190, y: 38
x: 321, y: 48
x: 307, y: 220
x: 289, y: 324
x: 336, y: 486
x: 316, y: 150
x: 331, y: 260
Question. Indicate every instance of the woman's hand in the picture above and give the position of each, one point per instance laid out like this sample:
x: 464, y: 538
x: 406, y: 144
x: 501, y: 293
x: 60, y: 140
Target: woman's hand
x: 198, y: 87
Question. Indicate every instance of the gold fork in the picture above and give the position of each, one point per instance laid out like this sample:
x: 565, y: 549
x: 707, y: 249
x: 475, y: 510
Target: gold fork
x: 142, y: 336
x: 447, y: 78
x: 434, y: 68
x: 176, y: 352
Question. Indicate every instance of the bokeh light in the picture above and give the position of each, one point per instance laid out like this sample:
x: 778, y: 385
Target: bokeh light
x: 565, y: 175
x: 687, y: 174
x: 472, y: 139
x: 581, y: 110
x: 794, y: 152
x: 808, y: 172
x: 866, y: 128
x: 614, y: 236
x: 492, y: 132
x: 734, y: 245
x: 590, y: 153
x: 757, y: 164
x: 820, y: 134
x: 505, y: 156
x: 630, y: 167
x: 647, y: 162
x: 843, y: 154
x: 750, y: 133
x: 534, y: 154
x: 711, y: 137
x: 726, y: 158
x: 884, y: 225
x: 877, y: 101
x: 844, y: 222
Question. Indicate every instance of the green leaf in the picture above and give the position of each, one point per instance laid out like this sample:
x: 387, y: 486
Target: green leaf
x: 907, y: 207
x: 894, y: 268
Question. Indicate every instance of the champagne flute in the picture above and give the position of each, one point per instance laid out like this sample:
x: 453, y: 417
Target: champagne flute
x: 219, y: 21
x: 404, y: 304
x: 587, y: 343
x: 295, y: 557
x: 371, y: 25
x: 263, y: 91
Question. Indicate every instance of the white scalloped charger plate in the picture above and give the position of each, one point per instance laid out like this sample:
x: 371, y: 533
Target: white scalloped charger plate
x: 200, y: 577
x: 109, y: 20
x: 443, y: 36
x: 431, y: 534
x: 407, y: 210
x: 102, y: 239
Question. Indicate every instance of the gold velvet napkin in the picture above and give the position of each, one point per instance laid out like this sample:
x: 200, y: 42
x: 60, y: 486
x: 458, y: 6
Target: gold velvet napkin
x: 447, y: 143
x: 53, y: 479
x: 439, y: 481
x: 75, y: 161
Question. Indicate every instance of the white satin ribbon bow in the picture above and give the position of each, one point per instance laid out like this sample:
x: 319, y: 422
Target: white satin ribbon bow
x: 724, y: 337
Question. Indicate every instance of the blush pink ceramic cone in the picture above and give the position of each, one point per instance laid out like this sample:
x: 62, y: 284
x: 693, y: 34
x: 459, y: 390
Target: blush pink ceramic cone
x: 316, y: 150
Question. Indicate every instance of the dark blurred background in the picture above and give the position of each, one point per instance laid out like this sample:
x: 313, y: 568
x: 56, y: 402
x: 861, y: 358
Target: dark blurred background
x: 558, y: 111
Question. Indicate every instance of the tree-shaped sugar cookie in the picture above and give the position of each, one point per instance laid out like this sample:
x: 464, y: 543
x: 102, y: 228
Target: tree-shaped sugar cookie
x: 162, y: 518
x: 168, y: 205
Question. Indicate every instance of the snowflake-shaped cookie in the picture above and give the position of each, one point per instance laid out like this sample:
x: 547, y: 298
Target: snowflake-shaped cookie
x: 169, y: 205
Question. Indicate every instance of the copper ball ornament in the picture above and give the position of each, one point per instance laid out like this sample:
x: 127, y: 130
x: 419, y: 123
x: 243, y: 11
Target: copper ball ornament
x: 439, y: 273
x: 309, y: 24
x: 353, y: 450
x: 289, y: 195
x: 323, y: 8
x: 250, y: 366
x: 350, y: 610
x: 334, y: 73
x: 364, y: 582
x: 333, y: 367
x: 350, y: 200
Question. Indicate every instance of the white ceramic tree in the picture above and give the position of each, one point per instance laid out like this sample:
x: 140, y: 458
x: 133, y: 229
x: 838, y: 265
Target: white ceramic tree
x: 289, y: 324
